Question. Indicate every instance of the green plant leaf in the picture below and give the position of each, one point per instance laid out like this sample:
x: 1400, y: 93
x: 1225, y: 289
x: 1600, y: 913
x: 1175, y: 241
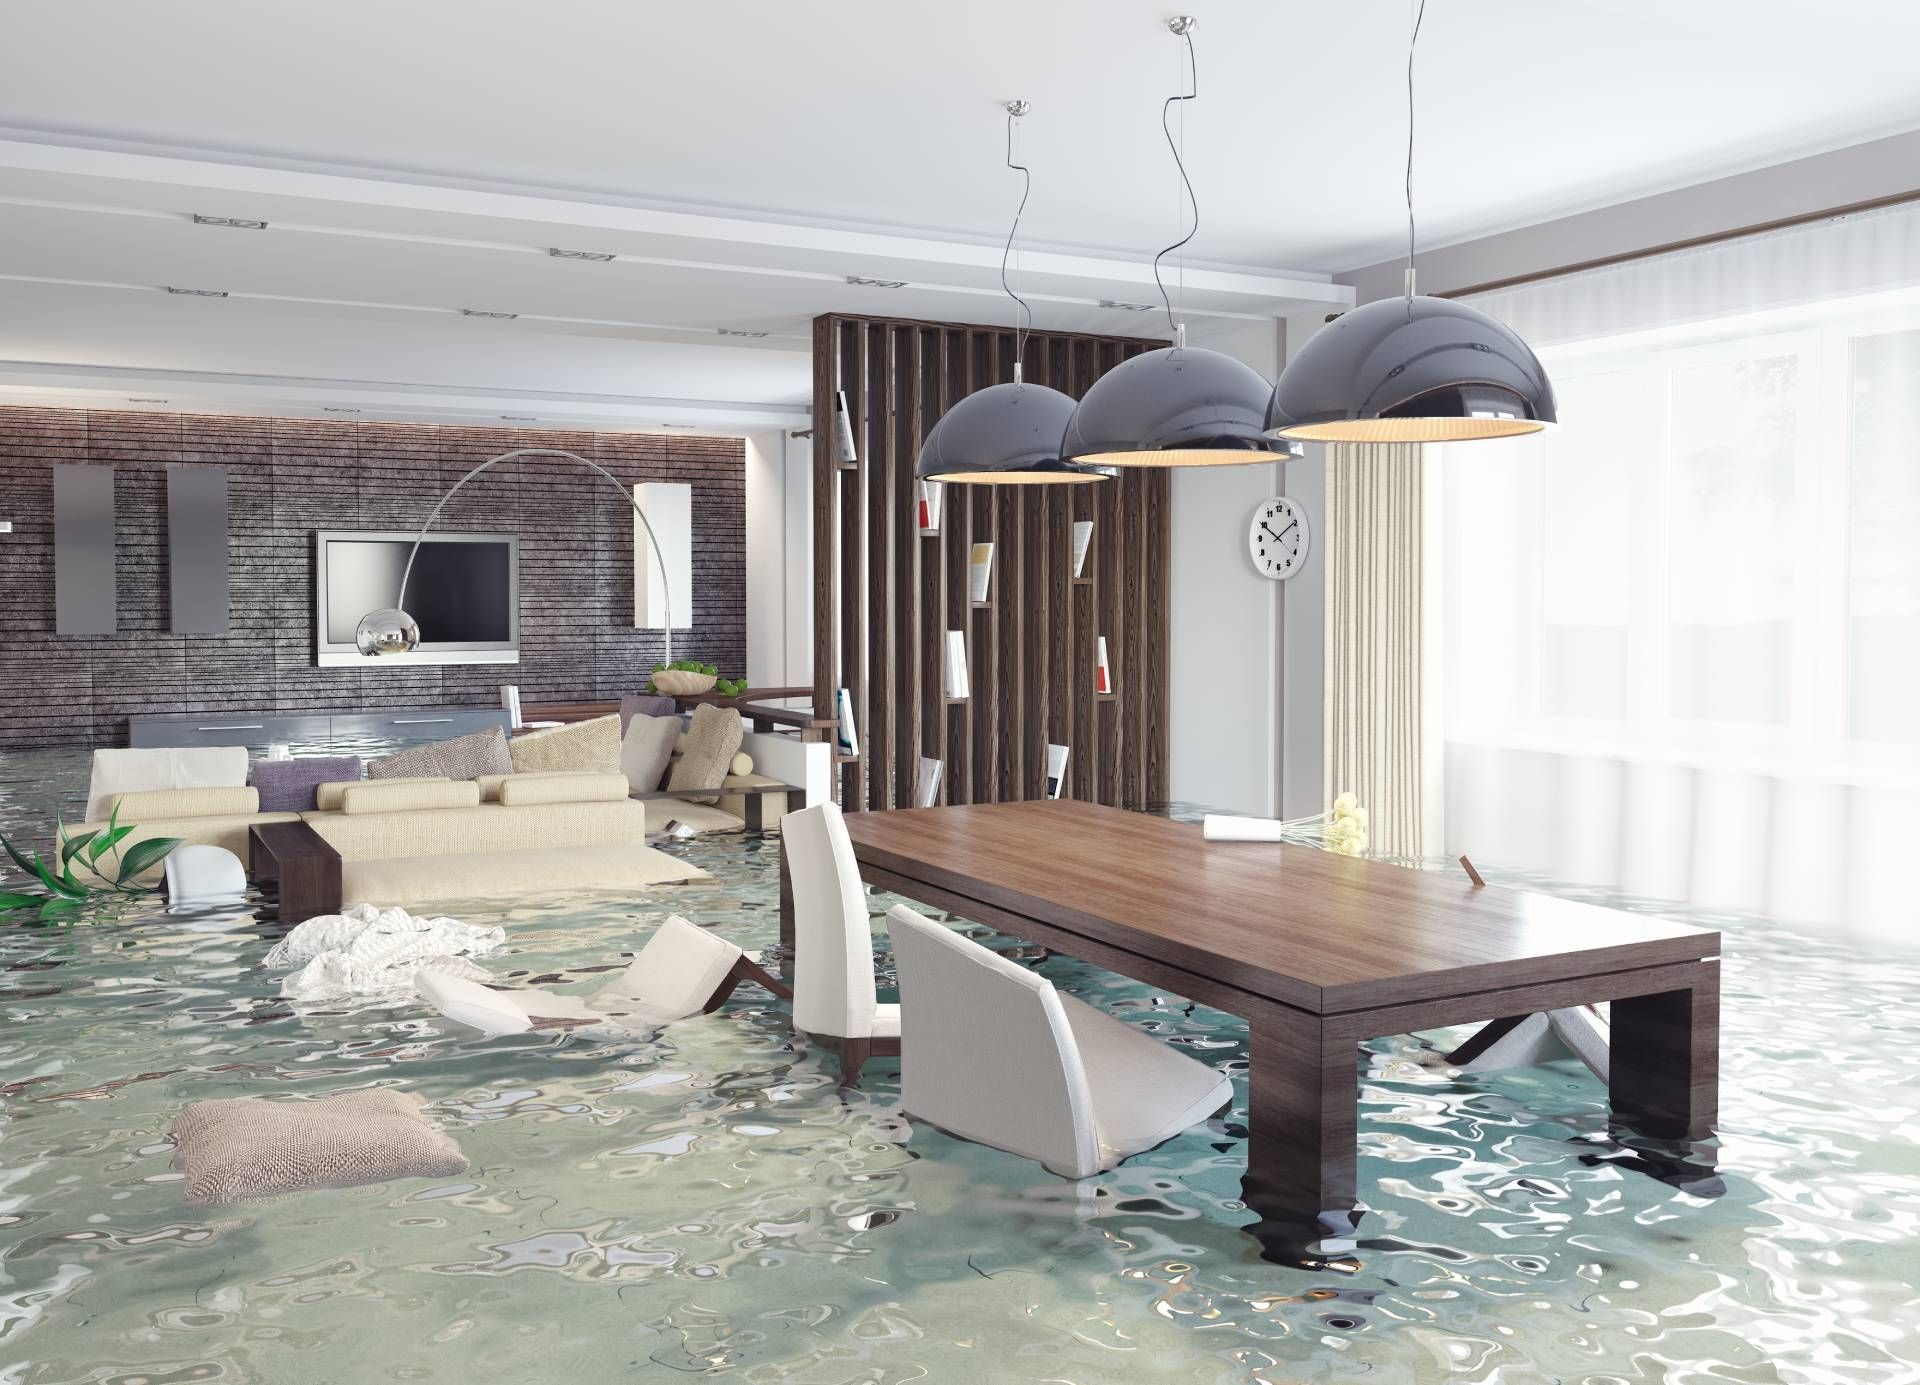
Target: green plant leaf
x: 143, y: 855
x: 72, y: 846
x: 107, y: 841
x: 54, y: 883
x: 19, y: 901
x: 57, y: 908
x: 18, y: 859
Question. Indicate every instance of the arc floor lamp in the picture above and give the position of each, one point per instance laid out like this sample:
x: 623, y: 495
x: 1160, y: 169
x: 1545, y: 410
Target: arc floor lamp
x: 391, y: 630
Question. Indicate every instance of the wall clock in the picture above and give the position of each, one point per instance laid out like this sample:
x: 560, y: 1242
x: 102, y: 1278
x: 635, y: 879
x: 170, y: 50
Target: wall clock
x: 1277, y: 539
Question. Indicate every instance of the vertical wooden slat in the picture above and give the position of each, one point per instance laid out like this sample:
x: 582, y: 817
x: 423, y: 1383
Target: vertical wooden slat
x: 880, y: 473
x: 826, y: 553
x: 960, y: 749
x: 930, y: 404
x: 982, y: 647
x: 1158, y: 616
x: 1111, y: 597
x: 853, y: 558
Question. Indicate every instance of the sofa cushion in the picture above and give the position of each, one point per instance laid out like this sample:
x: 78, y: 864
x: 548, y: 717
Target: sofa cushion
x: 585, y: 745
x: 463, y: 757
x: 409, y: 796
x: 644, y: 705
x: 647, y: 749
x: 513, y: 873
x: 288, y: 786
x: 185, y: 803
x: 712, y: 740
x: 119, y: 771
x: 490, y: 827
x: 522, y: 790
x: 326, y: 797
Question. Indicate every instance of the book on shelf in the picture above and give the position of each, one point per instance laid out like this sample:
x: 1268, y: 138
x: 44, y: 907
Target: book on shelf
x: 980, y: 570
x: 510, y: 703
x: 957, y: 664
x: 927, y: 504
x: 1056, y: 770
x: 844, y: 451
x: 847, y: 738
x: 926, y: 786
x: 1102, y: 670
x: 1082, y: 538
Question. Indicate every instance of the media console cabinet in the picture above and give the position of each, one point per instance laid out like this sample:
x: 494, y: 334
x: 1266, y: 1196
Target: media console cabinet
x: 312, y: 731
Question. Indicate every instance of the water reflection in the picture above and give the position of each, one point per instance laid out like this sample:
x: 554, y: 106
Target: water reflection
x: 707, y: 1202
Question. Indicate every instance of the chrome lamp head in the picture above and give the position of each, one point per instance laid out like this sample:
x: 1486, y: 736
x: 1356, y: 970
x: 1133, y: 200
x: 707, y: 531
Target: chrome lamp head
x: 387, y: 631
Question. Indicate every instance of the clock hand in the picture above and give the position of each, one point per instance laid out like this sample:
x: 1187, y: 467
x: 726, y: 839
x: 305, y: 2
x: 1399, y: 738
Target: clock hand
x: 1264, y: 525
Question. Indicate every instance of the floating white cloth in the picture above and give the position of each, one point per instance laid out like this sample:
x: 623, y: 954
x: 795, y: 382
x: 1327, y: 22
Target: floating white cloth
x: 1224, y: 827
x: 369, y: 951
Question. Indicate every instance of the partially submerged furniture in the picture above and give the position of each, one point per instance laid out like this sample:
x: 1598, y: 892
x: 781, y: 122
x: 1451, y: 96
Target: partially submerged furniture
x: 683, y: 970
x: 990, y: 1051
x: 835, y: 1002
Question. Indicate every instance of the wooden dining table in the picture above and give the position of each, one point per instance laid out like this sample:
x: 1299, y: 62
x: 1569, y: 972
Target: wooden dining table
x: 1317, y: 952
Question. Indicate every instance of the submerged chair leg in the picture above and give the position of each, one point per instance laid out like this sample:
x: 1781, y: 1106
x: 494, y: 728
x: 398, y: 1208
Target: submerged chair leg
x: 745, y: 969
x: 853, y: 1053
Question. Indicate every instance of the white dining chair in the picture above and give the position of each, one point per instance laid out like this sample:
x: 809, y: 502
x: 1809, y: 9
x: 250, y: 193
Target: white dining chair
x: 992, y: 1052
x: 835, y: 1004
x: 683, y: 970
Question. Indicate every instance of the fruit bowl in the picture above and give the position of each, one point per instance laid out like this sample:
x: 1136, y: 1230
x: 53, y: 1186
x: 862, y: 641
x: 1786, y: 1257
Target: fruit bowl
x: 680, y: 682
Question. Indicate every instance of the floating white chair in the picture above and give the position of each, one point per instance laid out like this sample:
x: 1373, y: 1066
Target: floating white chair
x: 683, y: 970
x: 835, y: 1004
x: 992, y: 1052
x: 201, y: 876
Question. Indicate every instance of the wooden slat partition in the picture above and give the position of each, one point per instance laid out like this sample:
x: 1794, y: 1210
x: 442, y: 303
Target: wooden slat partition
x: 885, y: 596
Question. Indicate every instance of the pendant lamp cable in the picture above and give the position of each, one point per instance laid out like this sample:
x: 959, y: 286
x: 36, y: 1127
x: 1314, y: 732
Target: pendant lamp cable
x: 1413, y: 42
x: 1015, y: 109
x: 1166, y: 111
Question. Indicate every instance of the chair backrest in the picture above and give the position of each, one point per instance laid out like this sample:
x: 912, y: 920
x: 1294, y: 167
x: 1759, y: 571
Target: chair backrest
x: 986, y: 1051
x: 833, y: 991
x: 170, y: 767
x: 675, y: 974
x: 204, y: 875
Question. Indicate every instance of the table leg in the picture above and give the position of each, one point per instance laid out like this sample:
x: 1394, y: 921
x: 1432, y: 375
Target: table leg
x: 1664, y: 1077
x: 1301, y: 1134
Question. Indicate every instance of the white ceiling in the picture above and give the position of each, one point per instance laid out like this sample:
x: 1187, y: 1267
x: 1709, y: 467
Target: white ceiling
x: 742, y: 157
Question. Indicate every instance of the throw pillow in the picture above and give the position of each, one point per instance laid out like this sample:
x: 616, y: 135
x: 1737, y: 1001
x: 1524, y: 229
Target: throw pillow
x: 709, y: 748
x: 463, y: 757
x: 647, y: 749
x: 287, y: 786
x: 644, y: 705
x: 238, y: 1147
x: 590, y: 745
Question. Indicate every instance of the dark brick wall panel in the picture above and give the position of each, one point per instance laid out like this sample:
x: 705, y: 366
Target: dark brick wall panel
x: 289, y: 477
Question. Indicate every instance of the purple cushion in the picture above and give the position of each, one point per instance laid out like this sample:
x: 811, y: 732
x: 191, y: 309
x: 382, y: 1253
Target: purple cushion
x: 645, y: 705
x: 286, y: 786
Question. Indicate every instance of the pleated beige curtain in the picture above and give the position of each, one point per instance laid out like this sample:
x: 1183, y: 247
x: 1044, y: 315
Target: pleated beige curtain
x: 1377, y: 687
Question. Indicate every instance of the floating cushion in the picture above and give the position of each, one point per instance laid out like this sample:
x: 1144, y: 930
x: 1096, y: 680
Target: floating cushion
x: 591, y: 745
x: 241, y: 1147
x: 290, y: 786
x: 463, y: 757
x: 647, y: 749
x: 713, y: 739
x: 405, y: 797
x: 522, y: 790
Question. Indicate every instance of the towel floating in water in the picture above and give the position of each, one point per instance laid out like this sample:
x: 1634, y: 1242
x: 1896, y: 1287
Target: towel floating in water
x: 367, y: 951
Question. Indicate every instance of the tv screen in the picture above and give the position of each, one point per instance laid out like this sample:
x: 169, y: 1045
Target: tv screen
x: 463, y: 593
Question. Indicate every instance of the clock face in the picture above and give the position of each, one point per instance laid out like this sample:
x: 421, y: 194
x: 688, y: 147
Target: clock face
x: 1277, y: 538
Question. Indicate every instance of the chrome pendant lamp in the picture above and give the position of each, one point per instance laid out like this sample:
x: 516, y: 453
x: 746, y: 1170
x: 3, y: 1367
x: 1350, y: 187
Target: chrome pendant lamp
x: 1005, y: 435
x: 1180, y: 405
x: 1412, y: 369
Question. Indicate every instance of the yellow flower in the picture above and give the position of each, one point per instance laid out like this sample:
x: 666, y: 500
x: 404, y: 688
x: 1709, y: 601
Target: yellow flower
x: 1344, y: 805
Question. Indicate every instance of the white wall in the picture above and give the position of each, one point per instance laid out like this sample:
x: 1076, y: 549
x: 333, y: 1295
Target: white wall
x: 1303, y: 625
x: 779, y: 560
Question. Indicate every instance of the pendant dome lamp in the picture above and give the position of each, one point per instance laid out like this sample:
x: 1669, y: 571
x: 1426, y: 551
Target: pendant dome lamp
x: 1180, y: 405
x: 1005, y: 434
x: 1412, y: 369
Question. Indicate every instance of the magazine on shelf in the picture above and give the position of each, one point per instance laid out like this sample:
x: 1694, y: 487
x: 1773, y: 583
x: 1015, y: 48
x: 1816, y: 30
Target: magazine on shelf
x: 1056, y: 770
x: 844, y: 451
x: 846, y: 736
x: 981, y: 570
x: 1082, y: 537
x: 1102, y: 670
x: 927, y: 503
x: 957, y: 664
x: 926, y: 787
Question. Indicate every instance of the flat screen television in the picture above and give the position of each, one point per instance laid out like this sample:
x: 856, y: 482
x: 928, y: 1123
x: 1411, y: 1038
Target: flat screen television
x: 464, y: 592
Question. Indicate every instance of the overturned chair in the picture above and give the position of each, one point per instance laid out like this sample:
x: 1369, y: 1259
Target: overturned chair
x: 683, y: 970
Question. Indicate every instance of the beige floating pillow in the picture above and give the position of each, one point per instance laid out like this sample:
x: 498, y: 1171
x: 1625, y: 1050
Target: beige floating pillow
x: 521, y: 790
x: 647, y: 749
x: 710, y: 744
x: 463, y: 757
x: 585, y: 745
x: 326, y: 797
x: 240, y: 1147
x: 400, y: 796
x: 152, y: 805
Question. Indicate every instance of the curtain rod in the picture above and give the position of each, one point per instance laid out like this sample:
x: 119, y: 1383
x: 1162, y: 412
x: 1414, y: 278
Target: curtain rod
x: 1692, y: 242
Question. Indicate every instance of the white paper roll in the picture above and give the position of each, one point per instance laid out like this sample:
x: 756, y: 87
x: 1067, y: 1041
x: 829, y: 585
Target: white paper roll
x: 1223, y: 827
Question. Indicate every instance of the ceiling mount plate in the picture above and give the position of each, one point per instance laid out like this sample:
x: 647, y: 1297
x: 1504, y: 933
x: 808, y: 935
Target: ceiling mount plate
x: 1181, y: 24
x: 1018, y: 108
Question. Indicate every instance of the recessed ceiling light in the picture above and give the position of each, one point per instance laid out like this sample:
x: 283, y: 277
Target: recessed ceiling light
x: 597, y: 256
x: 876, y: 283
x: 338, y: 409
x: 1126, y: 307
x: 679, y: 425
x: 197, y: 293
x: 521, y: 418
x: 736, y: 332
x: 482, y: 312
x: 238, y: 223
x: 141, y: 399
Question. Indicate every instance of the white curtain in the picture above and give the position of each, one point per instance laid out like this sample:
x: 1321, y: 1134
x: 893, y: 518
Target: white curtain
x: 1682, y: 630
